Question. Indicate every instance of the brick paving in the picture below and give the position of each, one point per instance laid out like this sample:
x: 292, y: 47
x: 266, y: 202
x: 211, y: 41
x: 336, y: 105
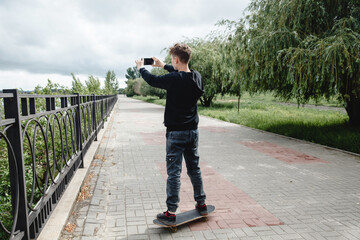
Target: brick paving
x: 264, y: 186
x: 234, y: 208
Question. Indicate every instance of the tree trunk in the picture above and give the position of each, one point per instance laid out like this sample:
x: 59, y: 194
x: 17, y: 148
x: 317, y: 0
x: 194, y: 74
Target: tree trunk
x: 353, y: 111
x: 239, y: 96
x: 206, y: 101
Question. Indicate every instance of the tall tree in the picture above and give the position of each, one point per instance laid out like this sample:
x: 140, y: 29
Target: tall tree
x: 132, y: 73
x: 305, y: 49
x: 233, y: 58
x: 77, y: 86
x: 93, y: 85
x: 111, y: 83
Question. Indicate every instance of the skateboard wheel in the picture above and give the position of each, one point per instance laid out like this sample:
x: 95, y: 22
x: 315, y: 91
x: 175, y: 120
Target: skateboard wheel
x: 173, y: 229
x: 205, y: 219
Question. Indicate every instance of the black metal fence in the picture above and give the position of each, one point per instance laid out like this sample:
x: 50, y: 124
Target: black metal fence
x: 42, y: 142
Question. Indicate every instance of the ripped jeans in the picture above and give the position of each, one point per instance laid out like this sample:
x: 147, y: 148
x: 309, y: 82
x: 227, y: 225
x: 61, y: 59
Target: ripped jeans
x: 179, y: 144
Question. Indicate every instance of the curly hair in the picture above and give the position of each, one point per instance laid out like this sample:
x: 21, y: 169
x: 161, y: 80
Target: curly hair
x: 182, y: 51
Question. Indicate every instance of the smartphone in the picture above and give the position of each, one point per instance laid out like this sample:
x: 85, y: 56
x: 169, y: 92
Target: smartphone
x: 148, y: 61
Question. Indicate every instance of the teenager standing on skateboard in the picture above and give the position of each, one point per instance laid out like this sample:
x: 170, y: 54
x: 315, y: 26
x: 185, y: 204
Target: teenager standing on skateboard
x: 184, y: 88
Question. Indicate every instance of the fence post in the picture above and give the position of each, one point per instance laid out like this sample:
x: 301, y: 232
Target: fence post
x: 102, y: 111
x: 12, y: 110
x: 94, y: 116
x: 78, y: 127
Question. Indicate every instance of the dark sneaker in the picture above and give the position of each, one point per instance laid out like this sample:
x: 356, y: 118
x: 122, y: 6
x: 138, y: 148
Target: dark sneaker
x: 167, y: 218
x: 202, y: 209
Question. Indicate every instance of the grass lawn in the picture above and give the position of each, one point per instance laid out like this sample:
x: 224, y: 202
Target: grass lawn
x: 326, y: 127
x: 269, y: 98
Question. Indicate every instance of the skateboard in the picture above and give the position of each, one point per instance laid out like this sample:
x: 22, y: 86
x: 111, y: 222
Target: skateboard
x: 185, y: 217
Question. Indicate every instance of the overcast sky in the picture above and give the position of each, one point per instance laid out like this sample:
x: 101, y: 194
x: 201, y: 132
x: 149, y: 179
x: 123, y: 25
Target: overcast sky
x: 42, y: 39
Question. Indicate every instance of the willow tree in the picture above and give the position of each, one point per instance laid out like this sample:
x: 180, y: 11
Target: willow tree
x: 305, y: 49
x: 233, y: 58
x: 206, y: 59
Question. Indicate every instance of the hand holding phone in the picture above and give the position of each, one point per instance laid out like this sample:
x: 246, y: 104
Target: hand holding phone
x: 148, y: 61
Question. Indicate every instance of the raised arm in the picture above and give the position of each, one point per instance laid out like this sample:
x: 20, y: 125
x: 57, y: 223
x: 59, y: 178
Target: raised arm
x: 161, y: 64
x: 163, y: 81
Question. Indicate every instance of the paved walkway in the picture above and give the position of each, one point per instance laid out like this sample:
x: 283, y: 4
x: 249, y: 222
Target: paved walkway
x: 264, y: 186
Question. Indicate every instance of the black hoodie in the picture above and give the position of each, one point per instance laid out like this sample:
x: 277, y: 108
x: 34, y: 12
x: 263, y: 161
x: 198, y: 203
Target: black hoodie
x: 183, y: 91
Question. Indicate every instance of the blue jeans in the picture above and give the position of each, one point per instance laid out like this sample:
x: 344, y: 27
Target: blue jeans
x: 179, y: 144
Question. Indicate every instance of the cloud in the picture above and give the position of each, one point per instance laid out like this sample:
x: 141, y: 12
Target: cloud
x: 89, y: 37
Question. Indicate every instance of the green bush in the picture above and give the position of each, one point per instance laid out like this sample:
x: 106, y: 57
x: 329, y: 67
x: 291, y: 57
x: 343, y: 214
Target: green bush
x: 147, y: 90
x: 133, y: 87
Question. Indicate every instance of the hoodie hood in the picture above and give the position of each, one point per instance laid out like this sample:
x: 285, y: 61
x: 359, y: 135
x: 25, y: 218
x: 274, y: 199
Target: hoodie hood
x: 196, y: 77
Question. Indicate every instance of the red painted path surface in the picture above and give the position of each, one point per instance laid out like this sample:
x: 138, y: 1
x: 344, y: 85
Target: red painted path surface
x: 281, y: 153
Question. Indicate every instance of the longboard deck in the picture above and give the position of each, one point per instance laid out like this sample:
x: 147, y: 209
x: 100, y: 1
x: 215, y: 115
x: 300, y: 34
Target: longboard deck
x: 185, y: 217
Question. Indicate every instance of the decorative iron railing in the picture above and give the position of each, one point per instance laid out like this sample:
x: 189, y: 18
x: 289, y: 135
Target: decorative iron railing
x: 42, y: 142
